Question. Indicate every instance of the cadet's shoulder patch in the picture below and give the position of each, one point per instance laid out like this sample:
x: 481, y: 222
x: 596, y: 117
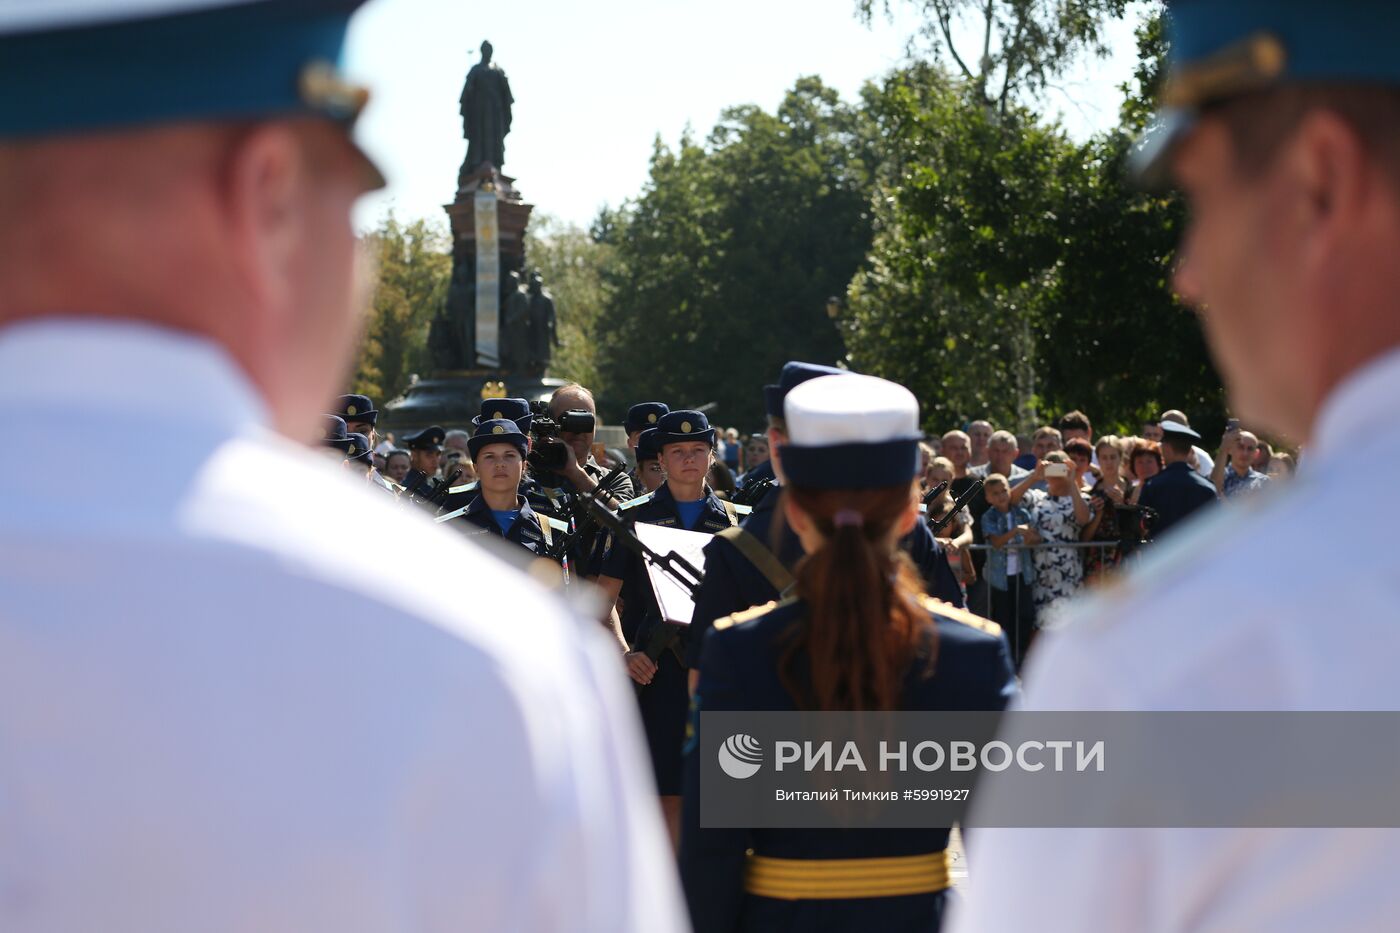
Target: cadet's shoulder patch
x: 953, y: 613
x: 753, y: 612
x: 633, y: 503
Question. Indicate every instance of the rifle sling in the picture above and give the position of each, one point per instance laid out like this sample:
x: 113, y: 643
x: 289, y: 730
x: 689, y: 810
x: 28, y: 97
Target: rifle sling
x: 763, y: 559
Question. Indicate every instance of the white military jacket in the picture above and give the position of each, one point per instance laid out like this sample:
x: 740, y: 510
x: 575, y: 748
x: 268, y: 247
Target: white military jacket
x: 239, y: 691
x: 1245, y: 610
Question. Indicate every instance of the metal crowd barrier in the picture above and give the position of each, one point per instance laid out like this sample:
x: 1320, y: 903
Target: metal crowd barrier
x: 979, y: 593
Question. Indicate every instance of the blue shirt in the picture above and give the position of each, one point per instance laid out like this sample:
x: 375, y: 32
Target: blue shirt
x: 690, y: 512
x: 1236, y: 484
x: 505, y: 519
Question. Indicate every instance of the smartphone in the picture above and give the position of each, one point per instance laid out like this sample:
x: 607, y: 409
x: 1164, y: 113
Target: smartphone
x: 1232, y: 425
x: 1057, y: 469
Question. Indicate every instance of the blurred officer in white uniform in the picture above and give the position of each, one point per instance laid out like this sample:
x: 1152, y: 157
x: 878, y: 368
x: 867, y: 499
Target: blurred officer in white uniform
x: 224, y: 705
x: 1286, y: 145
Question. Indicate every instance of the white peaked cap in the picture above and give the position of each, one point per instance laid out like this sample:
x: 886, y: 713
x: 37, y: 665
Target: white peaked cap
x: 851, y: 432
x: 851, y: 409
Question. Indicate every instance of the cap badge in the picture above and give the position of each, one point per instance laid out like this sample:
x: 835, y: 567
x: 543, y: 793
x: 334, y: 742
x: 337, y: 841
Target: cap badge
x: 352, y: 410
x: 685, y: 427
x: 498, y: 429
x: 321, y: 86
x: 498, y: 415
x: 651, y: 418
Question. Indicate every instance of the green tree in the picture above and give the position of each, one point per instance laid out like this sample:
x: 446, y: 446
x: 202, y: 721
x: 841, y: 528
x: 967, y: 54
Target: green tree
x: 573, y: 263
x: 725, y: 263
x: 967, y: 233
x: 412, y: 265
x: 1016, y: 274
x: 1019, y: 47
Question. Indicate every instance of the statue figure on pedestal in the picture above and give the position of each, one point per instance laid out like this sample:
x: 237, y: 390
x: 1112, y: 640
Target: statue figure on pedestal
x: 486, y: 102
x: 544, y: 334
x: 515, y: 326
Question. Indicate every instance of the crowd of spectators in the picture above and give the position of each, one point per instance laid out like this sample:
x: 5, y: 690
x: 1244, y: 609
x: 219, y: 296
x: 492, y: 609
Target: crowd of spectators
x: 1062, y: 508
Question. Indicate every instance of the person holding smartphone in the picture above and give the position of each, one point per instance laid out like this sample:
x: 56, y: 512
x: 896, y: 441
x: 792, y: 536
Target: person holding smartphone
x: 1058, y: 513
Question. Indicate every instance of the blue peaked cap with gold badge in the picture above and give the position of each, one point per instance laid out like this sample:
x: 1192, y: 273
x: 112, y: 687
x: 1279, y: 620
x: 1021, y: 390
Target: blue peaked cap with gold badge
x: 113, y: 64
x: 1225, y: 48
x: 684, y: 425
x: 497, y: 431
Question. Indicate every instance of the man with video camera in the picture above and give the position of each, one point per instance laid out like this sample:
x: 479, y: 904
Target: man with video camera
x: 562, y: 463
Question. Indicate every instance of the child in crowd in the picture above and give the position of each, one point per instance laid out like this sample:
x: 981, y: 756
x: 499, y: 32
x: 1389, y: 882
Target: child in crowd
x: 1008, y: 569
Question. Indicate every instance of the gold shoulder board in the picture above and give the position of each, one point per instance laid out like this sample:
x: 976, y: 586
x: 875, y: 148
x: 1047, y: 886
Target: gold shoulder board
x: 753, y: 612
x: 949, y: 611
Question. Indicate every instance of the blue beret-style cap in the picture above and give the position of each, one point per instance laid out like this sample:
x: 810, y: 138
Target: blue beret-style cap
x: 359, y: 449
x: 644, y: 415
x: 497, y: 431
x: 684, y: 425
x: 1223, y: 49
x: 109, y: 64
x: 648, y: 446
x: 427, y: 439
x: 358, y: 408
x: 494, y: 409
x: 334, y: 428
x: 792, y: 376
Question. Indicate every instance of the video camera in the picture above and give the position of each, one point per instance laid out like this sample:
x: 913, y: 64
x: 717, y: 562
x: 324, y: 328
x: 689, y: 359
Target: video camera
x: 547, y: 451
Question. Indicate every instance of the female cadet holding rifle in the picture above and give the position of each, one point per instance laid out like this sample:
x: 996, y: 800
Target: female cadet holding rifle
x: 859, y: 634
x: 684, y: 442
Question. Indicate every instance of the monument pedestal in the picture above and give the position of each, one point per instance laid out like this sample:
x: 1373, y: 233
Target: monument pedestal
x: 452, y: 399
x: 452, y: 395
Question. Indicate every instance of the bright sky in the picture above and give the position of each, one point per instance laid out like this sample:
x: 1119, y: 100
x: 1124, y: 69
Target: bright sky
x: 594, y: 84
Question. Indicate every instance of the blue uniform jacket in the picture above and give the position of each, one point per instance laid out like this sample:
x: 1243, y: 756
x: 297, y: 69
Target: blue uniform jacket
x: 662, y: 703
x: 1175, y: 493
x: 733, y: 584
x: 525, y: 531
x: 739, y: 671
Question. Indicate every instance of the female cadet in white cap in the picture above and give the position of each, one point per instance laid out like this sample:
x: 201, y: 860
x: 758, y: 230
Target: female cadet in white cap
x: 859, y: 634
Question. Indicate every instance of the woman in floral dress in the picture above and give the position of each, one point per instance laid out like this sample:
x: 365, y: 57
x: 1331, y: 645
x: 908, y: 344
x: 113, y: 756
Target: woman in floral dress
x: 1058, y: 513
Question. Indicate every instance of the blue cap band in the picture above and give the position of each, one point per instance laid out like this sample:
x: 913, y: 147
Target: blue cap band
x: 243, y: 61
x: 852, y: 466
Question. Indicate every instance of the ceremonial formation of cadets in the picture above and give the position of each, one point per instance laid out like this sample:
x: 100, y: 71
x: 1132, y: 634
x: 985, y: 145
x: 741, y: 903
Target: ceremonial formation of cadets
x: 840, y: 491
x: 216, y: 715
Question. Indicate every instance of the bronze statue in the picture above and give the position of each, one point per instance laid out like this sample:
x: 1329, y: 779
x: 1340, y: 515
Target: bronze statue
x: 486, y: 103
x: 544, y: 335
x: 515, y: 325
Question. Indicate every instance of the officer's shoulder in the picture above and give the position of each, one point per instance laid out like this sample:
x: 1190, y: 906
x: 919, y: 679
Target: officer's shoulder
x: 634, y: 503
x: 754, y: 613
x: 960, y: 618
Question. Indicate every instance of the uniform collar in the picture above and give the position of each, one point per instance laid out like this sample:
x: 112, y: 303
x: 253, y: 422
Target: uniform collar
x: 665, y: 499
x: 478, y: 506
x: 158, y: 372
x: 1358, y: 407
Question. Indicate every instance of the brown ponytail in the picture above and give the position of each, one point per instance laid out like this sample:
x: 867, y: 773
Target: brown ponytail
x: 863, y: 628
